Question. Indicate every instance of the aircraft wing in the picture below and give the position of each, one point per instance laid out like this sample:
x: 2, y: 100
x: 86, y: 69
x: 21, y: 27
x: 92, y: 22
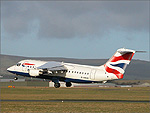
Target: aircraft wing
x: 53, y: 67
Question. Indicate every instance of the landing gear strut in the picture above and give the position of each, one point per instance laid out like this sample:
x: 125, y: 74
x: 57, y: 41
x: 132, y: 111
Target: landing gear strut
x: 57, y: 85
x: 68, y: 84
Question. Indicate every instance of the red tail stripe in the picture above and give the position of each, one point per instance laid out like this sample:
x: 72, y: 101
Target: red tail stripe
x: 117, y: 73
x: 127, y: 56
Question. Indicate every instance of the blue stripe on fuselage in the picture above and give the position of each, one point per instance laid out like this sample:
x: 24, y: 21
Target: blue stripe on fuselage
x: 78, y: 80
x: 20, y: 73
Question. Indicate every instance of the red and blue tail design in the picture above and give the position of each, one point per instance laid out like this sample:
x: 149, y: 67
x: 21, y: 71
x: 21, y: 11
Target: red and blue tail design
x: 117, y: 64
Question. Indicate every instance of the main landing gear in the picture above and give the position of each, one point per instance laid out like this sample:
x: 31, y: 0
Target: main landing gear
x: 56, y: 85
x: 68, y: 84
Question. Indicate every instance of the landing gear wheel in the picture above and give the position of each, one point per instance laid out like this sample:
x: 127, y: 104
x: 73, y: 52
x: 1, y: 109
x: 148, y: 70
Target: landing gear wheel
x: 68, y: 84
x: 15, y: 78
x: 57, y: 85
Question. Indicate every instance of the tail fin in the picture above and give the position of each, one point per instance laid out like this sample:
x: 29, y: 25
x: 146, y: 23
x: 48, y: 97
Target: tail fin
x: 117, y: 64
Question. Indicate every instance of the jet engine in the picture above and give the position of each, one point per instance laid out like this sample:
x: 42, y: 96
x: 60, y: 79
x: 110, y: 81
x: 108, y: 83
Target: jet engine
x: 34, y: 72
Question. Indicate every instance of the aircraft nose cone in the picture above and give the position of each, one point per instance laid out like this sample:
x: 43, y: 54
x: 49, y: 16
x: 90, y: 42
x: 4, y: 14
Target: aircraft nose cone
x: 11, y: 69
x: 8, y: 69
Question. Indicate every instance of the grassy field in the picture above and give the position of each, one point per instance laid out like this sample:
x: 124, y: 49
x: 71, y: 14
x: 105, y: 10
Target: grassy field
x: 43, y: 93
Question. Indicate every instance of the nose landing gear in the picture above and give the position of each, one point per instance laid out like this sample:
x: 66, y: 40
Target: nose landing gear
x: 16, y: 78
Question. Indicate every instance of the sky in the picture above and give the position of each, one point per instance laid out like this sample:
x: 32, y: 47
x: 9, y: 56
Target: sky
x: 75, y: 29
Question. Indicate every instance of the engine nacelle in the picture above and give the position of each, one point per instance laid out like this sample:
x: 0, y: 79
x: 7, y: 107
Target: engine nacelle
x: 34, y: 72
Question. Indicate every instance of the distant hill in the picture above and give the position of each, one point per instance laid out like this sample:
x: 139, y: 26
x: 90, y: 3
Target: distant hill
x: 137, y: 70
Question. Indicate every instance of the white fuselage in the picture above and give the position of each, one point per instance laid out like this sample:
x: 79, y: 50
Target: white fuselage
x: 75, y: 72
x: 91, y: 73
x: 114, y: 68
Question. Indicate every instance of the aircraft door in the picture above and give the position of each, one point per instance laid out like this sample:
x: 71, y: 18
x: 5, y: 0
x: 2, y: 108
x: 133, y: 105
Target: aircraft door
x: 93, y: 74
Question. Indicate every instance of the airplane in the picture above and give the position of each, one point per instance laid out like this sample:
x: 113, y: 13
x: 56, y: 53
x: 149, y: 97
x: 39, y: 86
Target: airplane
x: 70, y: 73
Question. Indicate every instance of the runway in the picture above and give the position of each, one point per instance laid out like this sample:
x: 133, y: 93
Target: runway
x: 78, y: 100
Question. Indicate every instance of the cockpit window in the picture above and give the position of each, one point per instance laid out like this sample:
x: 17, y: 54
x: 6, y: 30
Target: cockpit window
x: 18, y: 64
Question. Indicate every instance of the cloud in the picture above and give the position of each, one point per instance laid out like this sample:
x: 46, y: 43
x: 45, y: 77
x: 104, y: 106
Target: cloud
x: 73, y: 19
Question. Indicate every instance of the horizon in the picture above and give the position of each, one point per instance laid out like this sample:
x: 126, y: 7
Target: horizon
x: 68, y: 58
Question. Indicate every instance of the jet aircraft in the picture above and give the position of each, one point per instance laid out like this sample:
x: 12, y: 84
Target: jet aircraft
x: 70, y: 73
